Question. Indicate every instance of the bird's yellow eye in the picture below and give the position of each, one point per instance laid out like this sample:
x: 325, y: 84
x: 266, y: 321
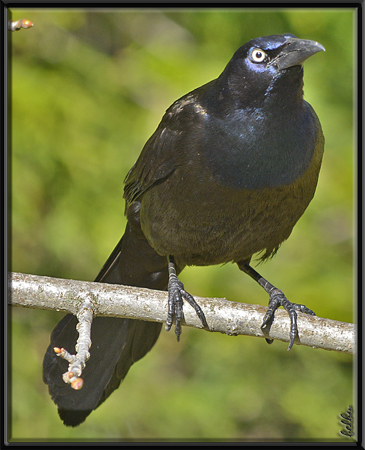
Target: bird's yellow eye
x: 258, y: 55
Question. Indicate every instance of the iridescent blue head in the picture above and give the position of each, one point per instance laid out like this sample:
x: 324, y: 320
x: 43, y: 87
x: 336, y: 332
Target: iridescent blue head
x: 265, y: 63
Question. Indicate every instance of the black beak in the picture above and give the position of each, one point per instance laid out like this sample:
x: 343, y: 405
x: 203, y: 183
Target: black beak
x: 295, y: 52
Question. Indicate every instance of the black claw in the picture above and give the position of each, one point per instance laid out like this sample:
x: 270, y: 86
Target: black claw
x: 277, y: 298
x: 175, y: 305
x: 190, y: 299
x: 303, y: 309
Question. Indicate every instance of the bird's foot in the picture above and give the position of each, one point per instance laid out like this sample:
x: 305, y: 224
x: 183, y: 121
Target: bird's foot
x: 277, y: 298
x: 175, y: 305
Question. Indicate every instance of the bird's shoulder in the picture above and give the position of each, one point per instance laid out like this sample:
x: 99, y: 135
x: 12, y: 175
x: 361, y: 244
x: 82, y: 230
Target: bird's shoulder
x: 165, y: 149
x: 187, y: 110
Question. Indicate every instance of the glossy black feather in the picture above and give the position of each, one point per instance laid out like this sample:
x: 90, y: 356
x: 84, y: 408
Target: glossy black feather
x: 227, y: 174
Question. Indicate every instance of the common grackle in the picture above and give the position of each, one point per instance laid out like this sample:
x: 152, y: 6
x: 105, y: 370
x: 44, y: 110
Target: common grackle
x: 227, y: 174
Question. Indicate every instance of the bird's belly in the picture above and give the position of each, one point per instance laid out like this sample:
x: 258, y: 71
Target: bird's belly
x: 199, y: 227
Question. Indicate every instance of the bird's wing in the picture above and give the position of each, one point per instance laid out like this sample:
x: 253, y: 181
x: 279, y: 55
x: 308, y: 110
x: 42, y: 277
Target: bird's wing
x: 165, y: 149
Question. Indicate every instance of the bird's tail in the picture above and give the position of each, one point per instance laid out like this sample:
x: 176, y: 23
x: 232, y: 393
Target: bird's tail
x: 116, y: 343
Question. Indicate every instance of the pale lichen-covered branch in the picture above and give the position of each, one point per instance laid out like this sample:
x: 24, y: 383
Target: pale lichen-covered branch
x: 224, y: 316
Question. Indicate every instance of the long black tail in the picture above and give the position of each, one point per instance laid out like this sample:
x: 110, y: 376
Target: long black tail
x: 116, y: 343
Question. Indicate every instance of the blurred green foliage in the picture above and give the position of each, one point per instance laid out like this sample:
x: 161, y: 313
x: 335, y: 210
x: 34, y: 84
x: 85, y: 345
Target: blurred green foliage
x: 87, y: 90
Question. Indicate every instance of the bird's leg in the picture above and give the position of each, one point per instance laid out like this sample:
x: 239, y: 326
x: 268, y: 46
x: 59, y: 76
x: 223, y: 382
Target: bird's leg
x: 175, y: 301
x: 277, y: 298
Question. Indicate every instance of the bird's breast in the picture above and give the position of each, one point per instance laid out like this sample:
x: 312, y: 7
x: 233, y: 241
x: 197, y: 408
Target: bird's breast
x: 253, y: 151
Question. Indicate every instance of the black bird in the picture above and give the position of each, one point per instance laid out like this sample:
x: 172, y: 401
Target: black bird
x: 227, y: 174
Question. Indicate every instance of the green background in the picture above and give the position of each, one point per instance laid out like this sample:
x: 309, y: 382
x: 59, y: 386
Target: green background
x: 88, y: 88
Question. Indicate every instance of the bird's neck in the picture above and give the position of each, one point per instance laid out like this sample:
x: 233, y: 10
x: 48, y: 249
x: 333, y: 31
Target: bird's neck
x: 285, y: 90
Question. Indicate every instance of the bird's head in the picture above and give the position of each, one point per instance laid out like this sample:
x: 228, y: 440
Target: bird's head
x: 267, y: 65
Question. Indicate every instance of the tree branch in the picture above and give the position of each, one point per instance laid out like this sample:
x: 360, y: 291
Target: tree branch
x: 224, y: 316
x: 19, y: 24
